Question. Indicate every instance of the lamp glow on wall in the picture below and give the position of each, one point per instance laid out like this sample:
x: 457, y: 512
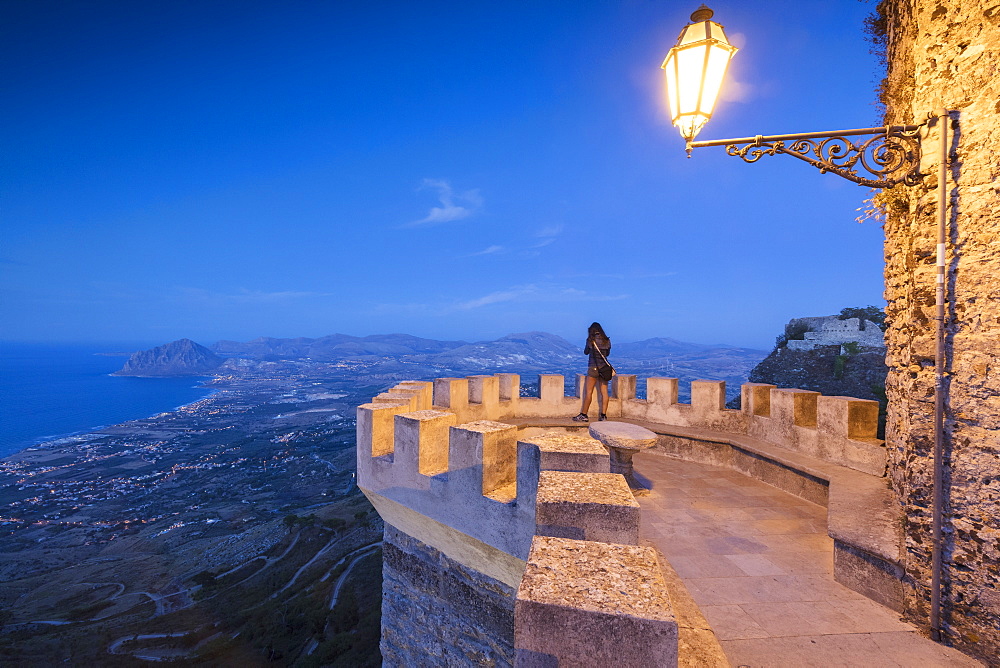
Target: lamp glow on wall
x: 881, y: 157
x: 695, y: 69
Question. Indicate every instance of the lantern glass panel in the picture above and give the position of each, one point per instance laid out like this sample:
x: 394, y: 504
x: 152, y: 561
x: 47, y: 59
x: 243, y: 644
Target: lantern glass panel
x: 670, y: 67
x: 690, y: 62
x: 718, y: 61
x: 693, y: 33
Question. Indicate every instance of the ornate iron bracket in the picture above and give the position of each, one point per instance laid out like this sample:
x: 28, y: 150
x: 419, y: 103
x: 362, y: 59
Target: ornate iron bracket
x: 889, y: 156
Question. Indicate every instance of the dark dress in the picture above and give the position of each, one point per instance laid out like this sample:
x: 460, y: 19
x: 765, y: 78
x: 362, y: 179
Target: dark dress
x: 597, y: 361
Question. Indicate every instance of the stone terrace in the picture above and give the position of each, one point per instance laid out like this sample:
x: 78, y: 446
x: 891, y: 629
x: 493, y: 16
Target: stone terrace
x: 785, y: 499
x: 759, y: 564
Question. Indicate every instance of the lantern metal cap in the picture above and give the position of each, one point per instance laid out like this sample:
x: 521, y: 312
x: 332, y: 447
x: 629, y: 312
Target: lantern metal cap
x: 703, y: 13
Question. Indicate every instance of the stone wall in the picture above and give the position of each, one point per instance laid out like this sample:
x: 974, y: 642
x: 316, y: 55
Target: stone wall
x: 947, y: 54
x: 470, y: 508
x: 436, y: 610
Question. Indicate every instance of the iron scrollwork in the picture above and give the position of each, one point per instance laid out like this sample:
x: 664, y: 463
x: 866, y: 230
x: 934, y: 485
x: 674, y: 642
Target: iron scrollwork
x: 891, y: 156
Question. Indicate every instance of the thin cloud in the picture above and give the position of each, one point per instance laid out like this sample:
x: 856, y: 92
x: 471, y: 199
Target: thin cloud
x: 547, y: 235
x: 497, y: 297
x: 530, y: 292
x: 550, y: 231
x: 654, y: 274
x: 580, y: 295
x: 491, y: 250
x: 453, y: 205
x: 537, y: 293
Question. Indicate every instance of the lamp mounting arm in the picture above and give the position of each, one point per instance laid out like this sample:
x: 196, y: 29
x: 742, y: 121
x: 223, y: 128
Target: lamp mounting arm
x: 881, y: 158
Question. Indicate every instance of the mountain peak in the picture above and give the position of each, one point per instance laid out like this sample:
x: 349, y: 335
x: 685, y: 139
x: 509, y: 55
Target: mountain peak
x: 183, y: 357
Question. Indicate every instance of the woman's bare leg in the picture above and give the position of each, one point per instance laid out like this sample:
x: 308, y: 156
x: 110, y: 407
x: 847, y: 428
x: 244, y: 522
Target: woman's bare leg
x: 588, y: 393
x: 602, y: 396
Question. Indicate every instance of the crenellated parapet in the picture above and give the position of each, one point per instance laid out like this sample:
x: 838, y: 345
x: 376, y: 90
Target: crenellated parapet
x: 503, y: 487
x: 500, y: 511
x: 838, y: 430
x: 422, y: 464
x: 452, y: 442
x: 480, y: 480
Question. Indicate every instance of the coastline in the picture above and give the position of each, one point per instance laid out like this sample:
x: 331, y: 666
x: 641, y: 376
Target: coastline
x: 47, y: 441
x: 79, y: 436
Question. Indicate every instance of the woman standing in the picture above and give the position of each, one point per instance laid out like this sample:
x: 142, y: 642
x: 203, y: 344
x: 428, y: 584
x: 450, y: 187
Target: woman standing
x: 599, y: 372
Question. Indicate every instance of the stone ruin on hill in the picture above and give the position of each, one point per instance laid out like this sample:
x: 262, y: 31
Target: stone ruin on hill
x: 831, y: 330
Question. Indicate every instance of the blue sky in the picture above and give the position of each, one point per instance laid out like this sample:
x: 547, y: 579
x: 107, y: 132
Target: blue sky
x: 456, y: 170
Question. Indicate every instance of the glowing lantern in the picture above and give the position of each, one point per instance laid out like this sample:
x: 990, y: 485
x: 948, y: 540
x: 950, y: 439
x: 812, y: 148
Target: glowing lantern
x: 695, y: 69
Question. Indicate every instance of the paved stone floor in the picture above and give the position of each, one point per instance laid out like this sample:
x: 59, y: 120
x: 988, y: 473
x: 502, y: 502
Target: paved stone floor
x: 759, y: 564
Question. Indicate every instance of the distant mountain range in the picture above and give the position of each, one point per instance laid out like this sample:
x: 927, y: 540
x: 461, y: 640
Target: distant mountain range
x: 663, y: 347
x: 528, y: 351
x: 334, y: 347
x: 386, y: 356
x: 525, y: 353
x: 514, y: 346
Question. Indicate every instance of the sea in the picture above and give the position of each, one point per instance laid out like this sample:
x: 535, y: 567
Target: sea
x: 50, y: 391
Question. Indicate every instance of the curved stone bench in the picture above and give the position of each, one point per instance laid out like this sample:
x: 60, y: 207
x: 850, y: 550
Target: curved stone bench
x: 863, y: 514
x: 623, y: 440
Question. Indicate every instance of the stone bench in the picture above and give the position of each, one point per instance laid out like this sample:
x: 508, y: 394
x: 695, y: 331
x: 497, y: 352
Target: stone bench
x: 623, y: 440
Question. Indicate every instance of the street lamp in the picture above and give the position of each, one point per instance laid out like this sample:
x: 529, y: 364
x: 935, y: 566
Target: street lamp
x: 695, y: 68
x: 880, y: 157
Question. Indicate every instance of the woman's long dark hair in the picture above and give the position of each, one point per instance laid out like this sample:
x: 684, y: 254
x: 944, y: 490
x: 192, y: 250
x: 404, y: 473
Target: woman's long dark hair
x: 596, y: 333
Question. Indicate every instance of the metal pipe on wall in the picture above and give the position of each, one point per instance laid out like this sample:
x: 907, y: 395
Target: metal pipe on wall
x: 937, y: 511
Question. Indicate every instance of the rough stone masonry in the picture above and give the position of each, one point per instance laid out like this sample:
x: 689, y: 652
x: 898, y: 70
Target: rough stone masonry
x: 437, y: 611
x: 947, y: 54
